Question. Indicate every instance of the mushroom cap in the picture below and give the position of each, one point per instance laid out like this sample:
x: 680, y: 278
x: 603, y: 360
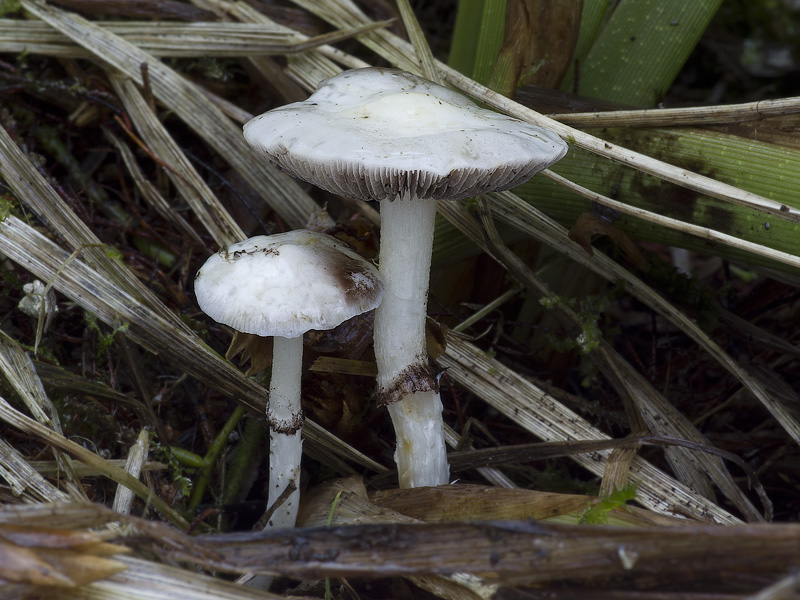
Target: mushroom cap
x: 287, y: 284
x: 377, y: 133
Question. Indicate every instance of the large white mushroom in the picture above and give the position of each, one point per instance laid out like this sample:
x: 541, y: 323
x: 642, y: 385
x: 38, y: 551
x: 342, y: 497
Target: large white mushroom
x: 387, y: 135
x: 284, y: 285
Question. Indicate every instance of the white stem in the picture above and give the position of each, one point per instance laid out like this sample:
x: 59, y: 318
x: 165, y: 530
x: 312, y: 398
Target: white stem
x: 405, y: 261
x: 420, y: 454
x: 284, y: 414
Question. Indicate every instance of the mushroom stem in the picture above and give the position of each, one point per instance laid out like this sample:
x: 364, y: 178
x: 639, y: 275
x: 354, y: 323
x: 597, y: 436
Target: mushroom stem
x: 420, y: 454
x: 405, y: 380
x: 285, y: 422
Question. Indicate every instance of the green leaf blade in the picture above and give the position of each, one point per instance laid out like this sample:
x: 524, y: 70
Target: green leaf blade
x: 640, y: 51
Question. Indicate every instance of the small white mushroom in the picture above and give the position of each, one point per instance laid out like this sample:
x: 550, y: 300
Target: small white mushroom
x: 387, y: 135
x: 35, y: 297
x: 284, y: 285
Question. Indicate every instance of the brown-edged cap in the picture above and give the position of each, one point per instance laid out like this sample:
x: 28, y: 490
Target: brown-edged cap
x: 287, y: 284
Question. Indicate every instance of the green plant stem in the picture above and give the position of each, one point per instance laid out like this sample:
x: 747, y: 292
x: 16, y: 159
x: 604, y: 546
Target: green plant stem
x: 188, y: 458
x: 212, y: 455
x: 247, y: 454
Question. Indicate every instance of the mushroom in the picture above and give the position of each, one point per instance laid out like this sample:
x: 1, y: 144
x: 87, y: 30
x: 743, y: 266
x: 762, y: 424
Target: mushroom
x: 387, y: 135
x: 284, y: 285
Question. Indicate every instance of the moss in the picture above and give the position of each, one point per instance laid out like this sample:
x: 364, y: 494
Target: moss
x: 589, y: 310
x: 5, y: 208
x: 9, y: 6
x: 598, y: 513
x: 179, y: 478
x: 104, y: 340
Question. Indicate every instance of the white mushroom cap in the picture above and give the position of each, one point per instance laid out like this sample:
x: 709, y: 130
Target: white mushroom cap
x: 287, y: 284
x: 376, y: 133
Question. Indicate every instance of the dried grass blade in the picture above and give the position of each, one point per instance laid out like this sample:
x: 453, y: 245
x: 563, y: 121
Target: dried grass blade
x: 352, y: 507
x: 692, y: 470
x: 326, y: 441
x: 24, y: 480
x: 19, y: 372
x: 695, y: 469
x: 181, y: 172
x: 42, y: 199
x: 57, y: 378
x: 676, y: 224
x: 54, y: 557
x: 51, y: 569
x: 145, y: 9
x: 150, y: 193
x: 163, y: 582
x: 759, y: 336
x: 123, y: 500
x: 57, y: 515
x: 239, y: 115
x: 161, y: 38
x: 279, y: 191
x: 673, y: 117
x: 460, y: 502
x: 618, y: 472
x: 48, y: 436
x: 549, y: 420
x: 520, y: 215
x: 49, y: 468
x: 228, y: 38
x: 18, y: 369
x: 494, y: 476
x: 344, y: 13
x: 307, y: 69
x: 427, y: 64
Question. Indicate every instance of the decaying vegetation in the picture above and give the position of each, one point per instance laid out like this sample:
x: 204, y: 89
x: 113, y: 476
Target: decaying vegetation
x: 619, y: 427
